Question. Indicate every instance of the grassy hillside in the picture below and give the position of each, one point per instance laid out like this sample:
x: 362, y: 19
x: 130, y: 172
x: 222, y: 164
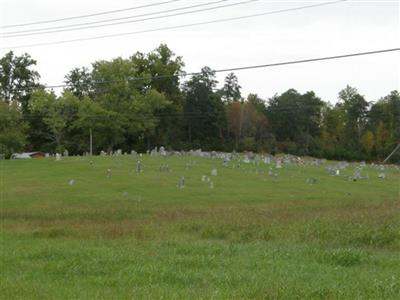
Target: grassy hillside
x: 70, y: 232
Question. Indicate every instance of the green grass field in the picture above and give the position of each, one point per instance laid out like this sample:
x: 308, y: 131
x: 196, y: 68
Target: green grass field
x: 135, y: 236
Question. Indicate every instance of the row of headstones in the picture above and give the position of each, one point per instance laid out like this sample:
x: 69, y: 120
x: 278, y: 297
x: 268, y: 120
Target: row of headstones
x: 331, y: 170
x: 157, y: 152
x: 255, y: 159
x: 58, y: 156
x: 357, y: 172
x: 247, y: 158
x: 112, y: 153
x: 154, y: 152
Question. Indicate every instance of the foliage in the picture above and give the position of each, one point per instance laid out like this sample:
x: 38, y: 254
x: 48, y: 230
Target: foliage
x: 204, y: 110
x: 355, y: 108
x: 231, y: 89
x: 80, y: 82
x: 141, y: 102
x: 17, y: 78
x: 12, y: 129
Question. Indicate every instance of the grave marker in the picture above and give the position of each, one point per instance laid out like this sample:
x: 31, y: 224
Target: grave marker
x: 182, y: 182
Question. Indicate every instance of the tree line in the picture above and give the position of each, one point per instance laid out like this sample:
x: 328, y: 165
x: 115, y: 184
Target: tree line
x: 142, y: 101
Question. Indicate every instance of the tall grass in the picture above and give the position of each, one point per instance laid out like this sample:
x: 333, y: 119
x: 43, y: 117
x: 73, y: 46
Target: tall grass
x: 250, y: 237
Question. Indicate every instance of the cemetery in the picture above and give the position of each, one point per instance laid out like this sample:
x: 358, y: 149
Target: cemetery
x: 199, y: 150
x: 198, y: 224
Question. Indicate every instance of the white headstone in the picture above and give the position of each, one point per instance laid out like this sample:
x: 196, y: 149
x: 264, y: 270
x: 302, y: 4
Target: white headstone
x: 162, y: 151
x: 139, y: 166
x: 182, y: 182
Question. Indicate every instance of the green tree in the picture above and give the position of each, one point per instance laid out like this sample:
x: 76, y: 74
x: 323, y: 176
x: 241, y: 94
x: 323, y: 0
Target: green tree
x: 332, y: 132
x: 80, y: 82
x: 296, y: 121
x: 107, y: 127
x: 127, y: 92
x: 235, y: 115
x: 355, y: 108
x: 57, y: 114
x: 368, y: 142
x: 231, y: 89
x: 204, y: 110
x: 17, y: 78
x: 283, y: 111
x: 12, y: 129
x: 384, y: 120
x: 258, y: 103
x: 165, y: 69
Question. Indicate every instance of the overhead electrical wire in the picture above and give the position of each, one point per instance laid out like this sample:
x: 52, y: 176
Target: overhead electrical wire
x: 193, y: 115
x: 177, y: 26
x: 292, y: 62
x: 68, y: 27
x: 141, y: 20
x: 89, y: 15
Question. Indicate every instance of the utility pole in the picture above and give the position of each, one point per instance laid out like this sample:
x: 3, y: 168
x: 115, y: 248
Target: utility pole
x: 91, y: 142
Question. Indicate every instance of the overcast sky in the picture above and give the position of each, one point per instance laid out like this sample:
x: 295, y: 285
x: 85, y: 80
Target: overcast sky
x: 346, y: 27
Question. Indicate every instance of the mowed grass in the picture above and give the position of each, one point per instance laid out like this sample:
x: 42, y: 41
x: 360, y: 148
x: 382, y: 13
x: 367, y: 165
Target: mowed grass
x: 135, y: 236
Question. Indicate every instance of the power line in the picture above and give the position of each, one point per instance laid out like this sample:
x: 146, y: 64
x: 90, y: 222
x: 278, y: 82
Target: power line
x: 89, y: 15
x: 177, y: 26
x: 309, y: 60
x: 292, y: 62
x: 68, y: 27
x: 140, y: 20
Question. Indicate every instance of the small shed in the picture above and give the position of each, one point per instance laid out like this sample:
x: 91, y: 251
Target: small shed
x: 28, y: 155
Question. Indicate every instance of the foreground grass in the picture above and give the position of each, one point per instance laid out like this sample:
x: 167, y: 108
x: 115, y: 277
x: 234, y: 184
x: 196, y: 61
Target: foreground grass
x: 139, y: 236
